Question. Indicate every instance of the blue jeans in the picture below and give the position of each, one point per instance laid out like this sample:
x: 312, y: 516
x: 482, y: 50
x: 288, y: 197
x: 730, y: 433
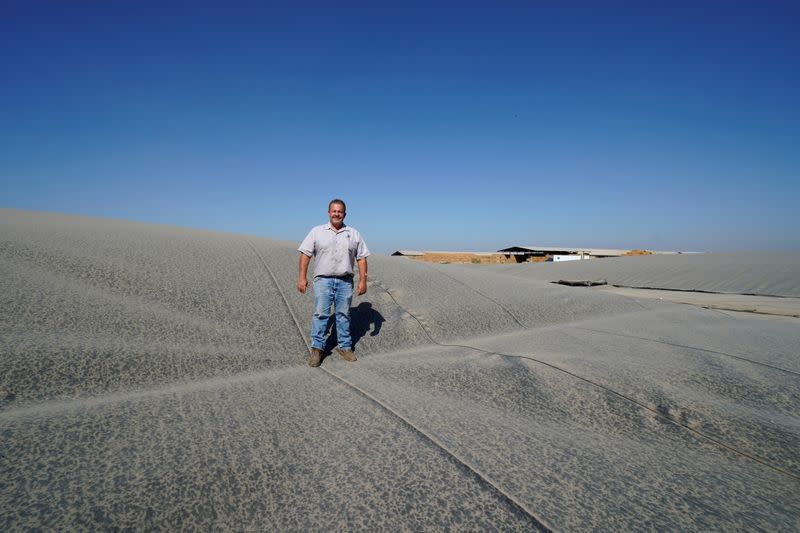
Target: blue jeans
x: 339, y: 293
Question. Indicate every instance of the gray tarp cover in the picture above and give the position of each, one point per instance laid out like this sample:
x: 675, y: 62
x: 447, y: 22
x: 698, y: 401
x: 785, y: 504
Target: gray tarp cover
x: 768, y: 273
x: 154, y: 377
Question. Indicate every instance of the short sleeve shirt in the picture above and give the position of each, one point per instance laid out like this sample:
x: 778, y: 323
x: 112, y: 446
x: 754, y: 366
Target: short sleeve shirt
x: 335, y: 252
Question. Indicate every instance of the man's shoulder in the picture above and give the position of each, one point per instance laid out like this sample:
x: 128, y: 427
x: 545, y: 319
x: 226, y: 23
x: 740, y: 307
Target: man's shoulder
x: 314, y: 235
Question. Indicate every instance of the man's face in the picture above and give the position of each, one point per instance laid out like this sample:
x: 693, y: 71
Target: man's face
x: 336, y: 214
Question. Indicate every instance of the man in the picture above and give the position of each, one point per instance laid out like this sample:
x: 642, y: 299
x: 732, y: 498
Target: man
x: 336, y: 248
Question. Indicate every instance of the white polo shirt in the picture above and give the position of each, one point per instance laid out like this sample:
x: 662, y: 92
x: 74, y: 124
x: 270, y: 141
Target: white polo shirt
x: 336, y: 252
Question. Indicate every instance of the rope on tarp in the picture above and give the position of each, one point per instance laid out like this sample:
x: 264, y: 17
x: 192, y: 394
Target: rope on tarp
x: 656, y: 412
x: 452, y: 456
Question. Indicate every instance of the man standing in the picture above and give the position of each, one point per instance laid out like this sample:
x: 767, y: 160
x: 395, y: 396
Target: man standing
x: 336, y: 248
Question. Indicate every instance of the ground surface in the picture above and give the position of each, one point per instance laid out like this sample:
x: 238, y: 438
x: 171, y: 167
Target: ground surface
x: 747, y: 303
x: 154, y: 378
x: 763, y: 274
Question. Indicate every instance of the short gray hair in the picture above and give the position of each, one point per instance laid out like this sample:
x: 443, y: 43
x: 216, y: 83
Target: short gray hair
x: 337, y: 201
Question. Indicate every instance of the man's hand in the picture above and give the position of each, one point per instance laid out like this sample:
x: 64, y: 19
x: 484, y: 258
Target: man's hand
x: 302, y: 273
x: 362, y: 276
x: 302, y: 283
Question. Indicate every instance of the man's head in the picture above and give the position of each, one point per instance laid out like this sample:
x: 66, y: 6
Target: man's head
x: 336, y: 212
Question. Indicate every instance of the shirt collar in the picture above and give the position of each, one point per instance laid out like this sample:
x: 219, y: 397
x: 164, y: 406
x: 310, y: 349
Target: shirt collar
x: 344, y: 227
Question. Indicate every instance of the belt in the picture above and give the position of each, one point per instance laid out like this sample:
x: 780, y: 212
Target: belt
x: 343, y: 276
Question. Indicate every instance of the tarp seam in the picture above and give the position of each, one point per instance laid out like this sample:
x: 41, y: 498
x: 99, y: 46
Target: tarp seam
x: 619, y: 394
x: 519, y: 506
x: 691, y: 348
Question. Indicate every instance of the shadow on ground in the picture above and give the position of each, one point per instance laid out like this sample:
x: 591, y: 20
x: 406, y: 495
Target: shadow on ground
x: 363, y: 318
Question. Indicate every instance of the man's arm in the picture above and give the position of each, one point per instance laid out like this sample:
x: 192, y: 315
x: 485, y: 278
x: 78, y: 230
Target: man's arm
x: 362, y: 276
x: 302, y: 281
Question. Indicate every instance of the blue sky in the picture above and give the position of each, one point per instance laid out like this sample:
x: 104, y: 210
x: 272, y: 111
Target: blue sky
x: 457, y: 125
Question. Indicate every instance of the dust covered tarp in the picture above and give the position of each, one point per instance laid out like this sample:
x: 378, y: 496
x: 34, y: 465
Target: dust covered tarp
x: 154, y: 377
x: 765, y: 274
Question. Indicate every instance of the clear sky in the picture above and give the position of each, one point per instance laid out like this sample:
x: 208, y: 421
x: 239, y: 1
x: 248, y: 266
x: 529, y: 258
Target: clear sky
x: 458, y: 125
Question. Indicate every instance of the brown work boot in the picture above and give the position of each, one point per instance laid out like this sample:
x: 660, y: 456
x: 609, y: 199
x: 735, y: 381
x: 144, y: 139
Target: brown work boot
x: 315, y: 359
x: 347, y: 355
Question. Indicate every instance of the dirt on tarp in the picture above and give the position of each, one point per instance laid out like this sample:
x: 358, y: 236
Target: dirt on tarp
x: 466, y: 257
x: 638, y: 252
x: 155, y: 377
